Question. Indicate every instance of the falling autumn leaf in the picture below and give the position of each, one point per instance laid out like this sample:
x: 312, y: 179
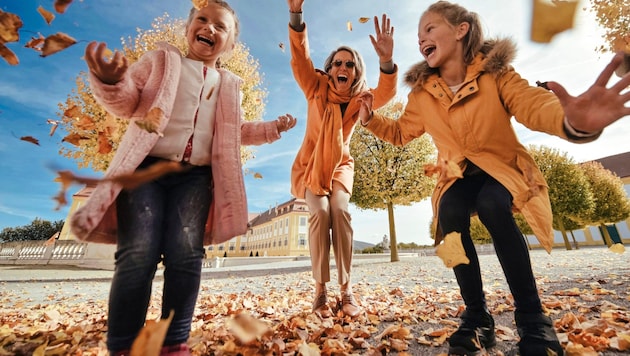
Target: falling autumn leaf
x: 246, y: 328
x: 451, y: 250
x: 9, y: 26
x: 8, y: 55
x: 258, y: 175
x: 199, y: 4
x: 30, y: 139
x: 73, y: 139
x: 151, y: 121
x: 104, y: 146
x: 349, y: 25
x: 550, y: 18
x: 54, y: 124
x: 47, y: 15
x: 62, y: 5
x: 35, y: 43
x: 55, y: 43
x: 364, y: 19
x: 281, y: 45
x: 151, y: 337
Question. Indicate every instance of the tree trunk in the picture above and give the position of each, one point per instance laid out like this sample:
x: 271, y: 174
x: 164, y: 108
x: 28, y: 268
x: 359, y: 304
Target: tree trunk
x: 564, y: 236
x: 606, y: 235
x: 575, y: 243
x: 392, y: 233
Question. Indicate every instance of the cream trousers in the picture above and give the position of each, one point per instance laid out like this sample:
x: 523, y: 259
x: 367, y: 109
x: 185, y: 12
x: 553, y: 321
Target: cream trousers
x: 329, y: 220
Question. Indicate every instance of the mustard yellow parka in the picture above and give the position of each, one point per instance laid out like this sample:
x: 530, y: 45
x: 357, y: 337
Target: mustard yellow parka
x: 475, y: 124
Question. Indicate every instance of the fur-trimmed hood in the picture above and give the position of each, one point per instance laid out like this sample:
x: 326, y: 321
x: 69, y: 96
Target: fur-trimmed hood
x: 495, y: 55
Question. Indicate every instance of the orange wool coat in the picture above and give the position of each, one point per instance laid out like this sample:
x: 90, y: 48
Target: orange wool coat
x: 475, y: 124
x: 315, y: 85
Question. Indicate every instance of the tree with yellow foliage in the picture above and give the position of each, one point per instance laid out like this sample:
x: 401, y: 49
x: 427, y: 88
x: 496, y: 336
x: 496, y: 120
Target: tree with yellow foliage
x: 386, y: 175
x: 93, y: 134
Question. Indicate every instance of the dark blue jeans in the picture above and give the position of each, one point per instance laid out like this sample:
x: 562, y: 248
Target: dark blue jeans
x: 163, y: 220
x: 493, y: 203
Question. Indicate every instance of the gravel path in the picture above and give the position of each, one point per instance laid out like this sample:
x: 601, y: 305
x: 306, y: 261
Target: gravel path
x: 565, y: 277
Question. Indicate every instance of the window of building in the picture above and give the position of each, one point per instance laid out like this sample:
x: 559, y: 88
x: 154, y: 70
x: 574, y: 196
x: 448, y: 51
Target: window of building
x: 302, y: 220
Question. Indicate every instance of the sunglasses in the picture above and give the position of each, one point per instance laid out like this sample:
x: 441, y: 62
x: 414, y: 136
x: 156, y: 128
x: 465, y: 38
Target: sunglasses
x: 338, y: 63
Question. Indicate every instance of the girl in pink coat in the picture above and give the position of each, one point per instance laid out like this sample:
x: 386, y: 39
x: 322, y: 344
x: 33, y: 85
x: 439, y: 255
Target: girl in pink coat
x: 170, y: 219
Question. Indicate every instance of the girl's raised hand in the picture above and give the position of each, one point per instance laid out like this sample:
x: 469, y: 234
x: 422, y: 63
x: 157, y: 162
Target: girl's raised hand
x: 599, y: 106
x: 366, y: 99
x: 384, y: 41
x: 285, y: 122
x: 107, y: 71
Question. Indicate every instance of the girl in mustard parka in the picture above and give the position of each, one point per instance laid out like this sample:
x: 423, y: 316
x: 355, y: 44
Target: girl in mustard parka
x: 464, y: 95
x: 323, y: 169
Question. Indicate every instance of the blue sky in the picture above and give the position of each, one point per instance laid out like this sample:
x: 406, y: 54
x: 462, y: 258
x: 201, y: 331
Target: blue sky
x: 30, y: 92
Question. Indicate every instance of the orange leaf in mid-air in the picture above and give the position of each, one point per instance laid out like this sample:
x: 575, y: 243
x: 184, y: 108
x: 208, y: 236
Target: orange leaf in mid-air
x: 54, y: 126
x: 35, y: 43
x: 151, y: 121
x: 30, y: 139
x: 74, y: 139
x: 246, y: 328
x: 364, y: 19
x: 199, y: 4
x: 62, y: 5
x: 8, y: 55
x: 349, y: 25
x: 281, y: 45
x: 551, y: 18
x: 258, y: 175
x: 104, y: 146
x: 151, y: 337
x: 451, y: 250
x: 47, y: 15
x: 9, y: 26
x: 57, y: 42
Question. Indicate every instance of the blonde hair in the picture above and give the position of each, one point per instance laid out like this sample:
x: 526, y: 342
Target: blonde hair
x: 360, y: 82
x: 455, y: 14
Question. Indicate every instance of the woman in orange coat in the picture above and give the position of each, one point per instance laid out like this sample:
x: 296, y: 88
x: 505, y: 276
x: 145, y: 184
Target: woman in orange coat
x: 323, y: 170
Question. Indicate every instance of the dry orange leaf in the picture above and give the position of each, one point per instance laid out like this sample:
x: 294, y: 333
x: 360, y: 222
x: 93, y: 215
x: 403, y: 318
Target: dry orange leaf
x: 151, y: 337
x: 199, y: 4
x: 57, y: 42
x: 258, y: 175
x: 550, y: 18
x: 62, y: 5
x: 54, y: 126
x: 35, y: 43
x: 104, y: 146
x: 8, y: 55
x: 451, y: 250
x: 127, y: 181
x: 246, y: 328
x: 349, y: 25
x: 74, y: 139
x: 47, y: 15
x: 9, y: 26
x: 151, y: 121
x: 364, y: 19
x: 30, y: 139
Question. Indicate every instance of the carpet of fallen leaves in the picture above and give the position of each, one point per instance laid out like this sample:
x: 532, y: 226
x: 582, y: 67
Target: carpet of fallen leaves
x: 410, y: 308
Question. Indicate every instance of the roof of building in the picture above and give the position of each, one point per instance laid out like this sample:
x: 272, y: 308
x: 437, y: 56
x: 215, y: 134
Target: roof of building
x: 618, y: 164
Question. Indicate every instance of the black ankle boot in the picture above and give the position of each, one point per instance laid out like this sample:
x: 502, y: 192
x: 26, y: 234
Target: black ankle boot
x: 538, y: 336
x: 476, y: 332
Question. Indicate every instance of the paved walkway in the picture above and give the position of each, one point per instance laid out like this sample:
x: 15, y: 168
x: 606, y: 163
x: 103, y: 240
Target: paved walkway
x: 559, y: 271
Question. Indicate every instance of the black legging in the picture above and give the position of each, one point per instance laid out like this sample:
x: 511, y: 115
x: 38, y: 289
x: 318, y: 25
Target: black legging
x: 493, y: 204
